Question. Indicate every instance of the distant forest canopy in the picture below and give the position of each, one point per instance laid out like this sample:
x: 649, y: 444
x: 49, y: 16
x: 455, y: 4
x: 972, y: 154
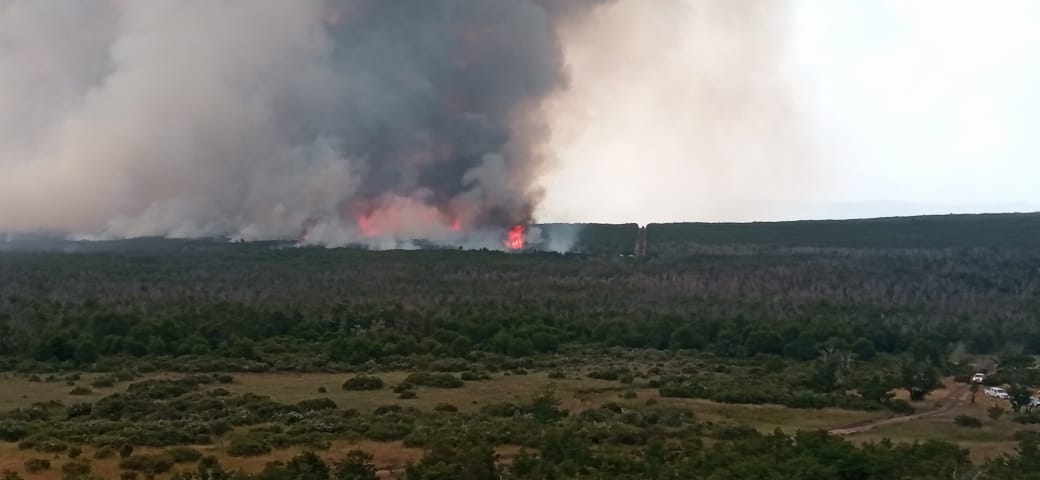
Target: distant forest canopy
x: 1005, y: 230
x: 733, y: 290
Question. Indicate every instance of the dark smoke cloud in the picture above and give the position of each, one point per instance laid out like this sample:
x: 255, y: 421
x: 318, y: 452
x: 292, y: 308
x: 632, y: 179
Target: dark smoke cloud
x: 255, y: 118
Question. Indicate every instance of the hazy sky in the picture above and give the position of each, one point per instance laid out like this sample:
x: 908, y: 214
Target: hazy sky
x: 901, y: 106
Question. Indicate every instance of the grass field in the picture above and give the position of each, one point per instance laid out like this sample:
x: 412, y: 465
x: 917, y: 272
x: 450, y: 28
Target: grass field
x: 577, y: 394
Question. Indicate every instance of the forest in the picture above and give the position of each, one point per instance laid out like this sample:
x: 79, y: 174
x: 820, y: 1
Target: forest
x: 869, y: 319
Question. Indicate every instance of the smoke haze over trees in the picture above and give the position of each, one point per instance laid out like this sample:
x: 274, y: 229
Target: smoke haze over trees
x: 337, y: 119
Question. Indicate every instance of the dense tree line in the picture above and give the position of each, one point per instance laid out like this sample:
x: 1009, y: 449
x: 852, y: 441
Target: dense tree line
x: 347, y: 307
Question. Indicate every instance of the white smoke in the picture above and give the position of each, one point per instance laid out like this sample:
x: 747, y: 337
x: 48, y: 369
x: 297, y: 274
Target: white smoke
x: 165, y: 118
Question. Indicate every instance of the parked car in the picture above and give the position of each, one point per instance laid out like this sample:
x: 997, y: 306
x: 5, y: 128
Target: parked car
x: 978, y: 378
x: 997, y: 392
x: 1033, y: 403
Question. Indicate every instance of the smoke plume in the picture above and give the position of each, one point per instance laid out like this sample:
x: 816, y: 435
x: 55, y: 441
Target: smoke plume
x: 261, y: 118
x: 334, y: 121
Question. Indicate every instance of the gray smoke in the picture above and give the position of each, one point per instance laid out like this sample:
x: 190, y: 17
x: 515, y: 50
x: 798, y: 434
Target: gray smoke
x: 257, y: 119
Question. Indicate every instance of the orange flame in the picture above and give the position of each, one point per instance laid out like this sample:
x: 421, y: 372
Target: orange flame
x: 515, y: 241
x: 366, y: 226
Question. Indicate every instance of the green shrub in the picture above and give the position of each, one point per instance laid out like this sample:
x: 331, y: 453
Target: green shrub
x: 80, y: 409
x: 995, y: 412
x: 388, y: 431
x: 13, y: 431
x: 471, y: 376
x: 249, y: 447
x: 556, y: 375
x: 363, y: 382
x: 148, y: 464
x: 47, y: 445
x: 75, y: 451
x: 967, y: 421
x: 386, y: 410
x: 507, y: 409
x: 75, y: 469
x: 184, y: 454
x: 34, y: 465
x: 104, y: 452
x: 407, y: 395
x: 316, y: 404
x: 1027, y: 419
x: 445, y: 407
x: 436, y: 380
x: 81, y: 390
x: 103, y: 382
x: 607, y: 374
x: 901, y: 406
x: 681, y: 390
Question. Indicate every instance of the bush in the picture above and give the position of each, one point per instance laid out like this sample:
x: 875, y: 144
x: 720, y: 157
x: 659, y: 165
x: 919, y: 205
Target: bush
x: 608, y: 374
x: 104, y: 452
x: 184, y: 454
x: 316, y: 404
x: 34, y: 465
x: 901, y: 406
x: 556, y: 375
x: 507, y: 409
x: 1027, y: 419
x: 126, y: 451
x: 75, y: 451
x: 445, y: 407
x: 682, y: 390
x: 248, y: 448
x: 48, y: 445
x: 75, y: 469
x: 356, y: 465
x: 995, y: 412
x: 81, y: 409
x: 148, y: 464
x: 388, y: 431
x: 323, y: 390
x: 12, y: 475
x: 436, y: 380
x: 470, y: 376
x: 103, y: 382
x: 13, y: 432
x: 363, y: 382
x: 81, y: 390
x: 407, y: 395
x: 967, y: 421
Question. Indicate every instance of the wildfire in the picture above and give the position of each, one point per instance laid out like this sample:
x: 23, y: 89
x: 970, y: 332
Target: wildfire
x: 366, y: 226
x: 515, y: 241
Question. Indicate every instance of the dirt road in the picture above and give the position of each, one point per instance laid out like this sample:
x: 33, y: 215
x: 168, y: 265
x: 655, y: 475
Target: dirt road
x: 959, y: 395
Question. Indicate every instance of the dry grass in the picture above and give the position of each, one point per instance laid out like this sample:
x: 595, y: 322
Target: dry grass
x: 994, y: 438
x: 577, y: 394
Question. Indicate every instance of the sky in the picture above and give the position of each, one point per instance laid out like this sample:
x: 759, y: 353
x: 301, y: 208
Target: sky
x: 899, y: 107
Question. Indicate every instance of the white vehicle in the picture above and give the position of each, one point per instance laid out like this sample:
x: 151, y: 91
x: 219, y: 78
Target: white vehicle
x: 978, y: 378
x: 1033, y: 403
x: 997, y: 392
